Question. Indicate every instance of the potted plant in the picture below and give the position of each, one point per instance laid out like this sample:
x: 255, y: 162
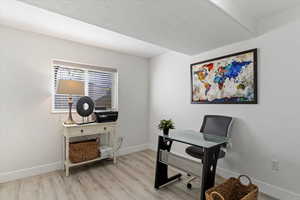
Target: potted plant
x: 166, y: 125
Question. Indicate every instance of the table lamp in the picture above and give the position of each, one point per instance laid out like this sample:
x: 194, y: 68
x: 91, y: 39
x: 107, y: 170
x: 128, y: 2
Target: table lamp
x: 70, y: 87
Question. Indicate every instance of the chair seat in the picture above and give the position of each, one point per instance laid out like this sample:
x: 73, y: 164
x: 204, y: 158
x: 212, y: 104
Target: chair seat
x: 198, y: 152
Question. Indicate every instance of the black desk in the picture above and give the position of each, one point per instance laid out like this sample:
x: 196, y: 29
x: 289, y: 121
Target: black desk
x: 211, y: 145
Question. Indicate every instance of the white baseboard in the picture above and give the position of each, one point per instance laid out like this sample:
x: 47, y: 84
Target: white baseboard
x: 132, y: 149
x: 37, y: 170
x: 152, y: 147
x: 266, y: 188
x: 33, y: 171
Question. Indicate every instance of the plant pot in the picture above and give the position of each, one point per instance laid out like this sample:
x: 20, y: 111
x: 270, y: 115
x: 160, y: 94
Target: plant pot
x: 166, y: 131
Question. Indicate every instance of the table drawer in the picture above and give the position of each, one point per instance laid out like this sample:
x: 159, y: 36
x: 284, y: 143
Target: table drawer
x: 87, y: 130
x: 103, y: 129
x: 77, y: 131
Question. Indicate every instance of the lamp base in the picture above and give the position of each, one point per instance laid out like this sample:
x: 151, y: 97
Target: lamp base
x: 70, y: 118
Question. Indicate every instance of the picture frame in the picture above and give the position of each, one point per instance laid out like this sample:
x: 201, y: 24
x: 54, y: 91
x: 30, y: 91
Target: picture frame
x: 229, y: 79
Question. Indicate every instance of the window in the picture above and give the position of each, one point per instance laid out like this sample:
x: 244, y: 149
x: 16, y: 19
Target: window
x: 99, y: 85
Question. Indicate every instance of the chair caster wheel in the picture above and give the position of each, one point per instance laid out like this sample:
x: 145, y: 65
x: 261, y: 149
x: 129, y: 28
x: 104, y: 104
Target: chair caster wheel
x: 189, y: 186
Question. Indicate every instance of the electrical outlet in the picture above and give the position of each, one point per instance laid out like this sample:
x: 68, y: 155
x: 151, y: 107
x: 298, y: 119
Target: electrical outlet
x: 275, y: 165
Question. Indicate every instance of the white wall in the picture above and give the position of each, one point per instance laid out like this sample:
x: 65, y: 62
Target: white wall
x: 30, y: 137
x: 263, y: 132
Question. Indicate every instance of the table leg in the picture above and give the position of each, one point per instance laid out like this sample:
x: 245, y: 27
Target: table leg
x: 67, y: 168
x: 113, y: 143
x: 161, y: 172
x: 115, y: 158
x: 67, y: 171
x: 209, y: 169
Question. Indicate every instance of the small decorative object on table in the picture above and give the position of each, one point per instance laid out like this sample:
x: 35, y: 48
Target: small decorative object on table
x: 166, y: 125
x: 233, y: 189
x: 85, y: 107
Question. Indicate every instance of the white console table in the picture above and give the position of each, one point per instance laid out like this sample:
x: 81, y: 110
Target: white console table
x: 71, y: 132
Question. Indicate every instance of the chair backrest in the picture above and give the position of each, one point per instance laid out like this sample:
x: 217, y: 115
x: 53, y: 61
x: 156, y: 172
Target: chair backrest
x: 216, y: 125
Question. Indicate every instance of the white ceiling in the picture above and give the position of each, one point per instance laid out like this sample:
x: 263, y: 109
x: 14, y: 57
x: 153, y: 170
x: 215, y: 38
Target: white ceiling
x: 189, y: 27
x: 29, y: 18
x: 152, y: 27
x: 260, y: 9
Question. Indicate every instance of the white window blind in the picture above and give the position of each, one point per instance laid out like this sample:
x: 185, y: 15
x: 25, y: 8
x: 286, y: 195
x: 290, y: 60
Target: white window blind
x: 99, y: 85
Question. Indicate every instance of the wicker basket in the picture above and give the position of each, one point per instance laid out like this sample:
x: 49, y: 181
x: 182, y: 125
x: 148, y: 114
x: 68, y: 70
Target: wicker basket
x: 84, y: 151
x: 233, y: 189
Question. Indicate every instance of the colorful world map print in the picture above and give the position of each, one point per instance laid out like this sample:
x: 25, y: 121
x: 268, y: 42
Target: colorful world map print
x: 229, y: 79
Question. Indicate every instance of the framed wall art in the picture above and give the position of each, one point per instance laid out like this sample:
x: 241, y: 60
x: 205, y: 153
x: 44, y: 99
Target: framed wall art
x: 230, y: 79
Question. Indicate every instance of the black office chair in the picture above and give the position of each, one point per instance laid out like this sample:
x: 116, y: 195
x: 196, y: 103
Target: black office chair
x: 215, y: 125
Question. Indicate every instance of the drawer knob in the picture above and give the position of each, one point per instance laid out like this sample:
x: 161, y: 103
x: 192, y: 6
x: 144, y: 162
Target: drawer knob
x: 81, y: 130
x: 104, y: 128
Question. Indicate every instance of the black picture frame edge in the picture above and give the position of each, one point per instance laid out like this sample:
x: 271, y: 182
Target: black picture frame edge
x: 255, y: 101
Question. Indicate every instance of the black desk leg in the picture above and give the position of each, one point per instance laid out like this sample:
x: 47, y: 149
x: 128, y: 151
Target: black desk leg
x: 209, y: 169
x: 161, y: 172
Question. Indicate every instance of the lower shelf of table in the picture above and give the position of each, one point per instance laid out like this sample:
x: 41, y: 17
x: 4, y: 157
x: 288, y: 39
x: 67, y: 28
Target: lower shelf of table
x: 108, y: 154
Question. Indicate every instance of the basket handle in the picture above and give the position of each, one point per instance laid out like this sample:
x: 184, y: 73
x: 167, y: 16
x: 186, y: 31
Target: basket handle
x: 214, y: 193
x: 247, y: 177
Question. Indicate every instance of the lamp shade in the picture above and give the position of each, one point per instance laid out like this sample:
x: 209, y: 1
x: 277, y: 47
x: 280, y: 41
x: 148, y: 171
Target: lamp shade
x: 70, y: 87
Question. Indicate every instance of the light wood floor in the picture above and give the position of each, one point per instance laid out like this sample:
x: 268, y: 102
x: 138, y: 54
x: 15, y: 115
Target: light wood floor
x: 131, y: 179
